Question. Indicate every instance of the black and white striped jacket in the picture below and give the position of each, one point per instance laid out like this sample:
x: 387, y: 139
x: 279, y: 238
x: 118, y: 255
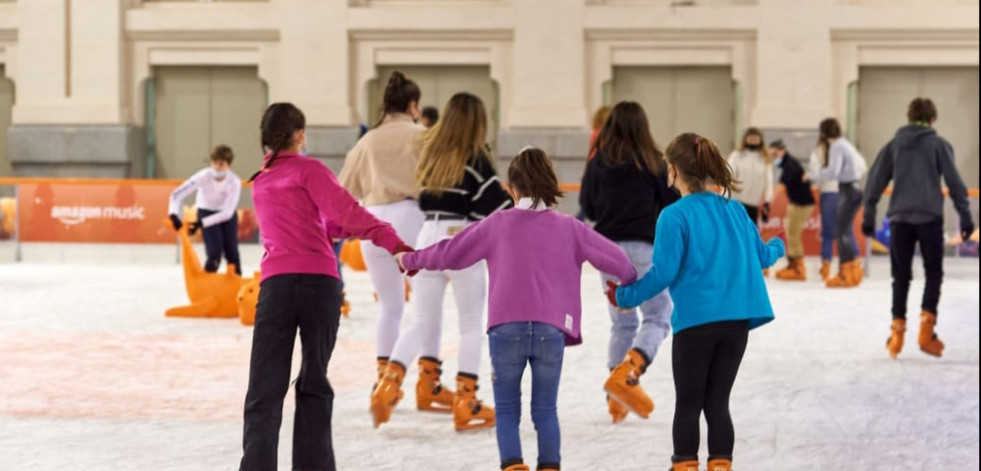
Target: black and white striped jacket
x: 476, y: 197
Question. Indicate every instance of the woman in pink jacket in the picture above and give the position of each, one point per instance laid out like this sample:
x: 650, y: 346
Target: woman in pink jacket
x: 300, y: 207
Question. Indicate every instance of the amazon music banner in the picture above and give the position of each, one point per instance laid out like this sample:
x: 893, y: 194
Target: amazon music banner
x: 113, y: 212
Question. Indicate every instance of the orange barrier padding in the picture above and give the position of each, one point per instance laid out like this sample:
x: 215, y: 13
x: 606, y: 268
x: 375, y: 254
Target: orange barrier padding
x: 972, y: 193
x: 248, y: 298
x: 351, y: 255
x: 211, y: 294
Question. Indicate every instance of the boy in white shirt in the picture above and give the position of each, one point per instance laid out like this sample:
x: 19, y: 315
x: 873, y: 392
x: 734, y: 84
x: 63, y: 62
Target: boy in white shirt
x: 218, y: 190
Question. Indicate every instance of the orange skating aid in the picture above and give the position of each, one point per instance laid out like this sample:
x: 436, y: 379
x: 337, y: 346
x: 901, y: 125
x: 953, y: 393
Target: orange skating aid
x: 468, y: 412
x: 387, y: 393
x: 895, y: 342
x: 351, y: 255
x: 248, y: 298
x: 431, y: 396
x: 929, y: 342
x: 623, y: 385
x: 517, y: 467
x: 211, y: 294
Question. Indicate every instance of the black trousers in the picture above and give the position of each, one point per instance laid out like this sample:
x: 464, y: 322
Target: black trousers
x: 312, y: 304
x: 902, y: 243
x: 849, y: 202
x: 753, y: 212
x: 705, y: 361
x: 220, y: 239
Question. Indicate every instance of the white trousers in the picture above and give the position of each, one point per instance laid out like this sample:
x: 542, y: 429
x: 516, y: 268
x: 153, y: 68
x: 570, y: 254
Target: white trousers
x: 406, y: 218
x: 428, y: 289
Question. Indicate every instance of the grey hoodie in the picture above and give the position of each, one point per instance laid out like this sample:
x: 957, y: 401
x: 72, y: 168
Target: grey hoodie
x: 915, y: 160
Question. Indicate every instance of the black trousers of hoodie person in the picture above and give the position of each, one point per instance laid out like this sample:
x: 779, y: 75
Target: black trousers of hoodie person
x: 705, y: 361
x: 220, y: 240
x: 312, y: 304
x: 902, y: 248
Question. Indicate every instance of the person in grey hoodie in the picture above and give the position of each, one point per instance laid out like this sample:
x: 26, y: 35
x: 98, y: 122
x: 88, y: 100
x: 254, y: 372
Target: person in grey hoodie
x: 915, y: 161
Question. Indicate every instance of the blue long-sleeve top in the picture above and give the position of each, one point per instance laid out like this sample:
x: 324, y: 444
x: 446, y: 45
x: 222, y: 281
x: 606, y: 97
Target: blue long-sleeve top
x: 712, y: 257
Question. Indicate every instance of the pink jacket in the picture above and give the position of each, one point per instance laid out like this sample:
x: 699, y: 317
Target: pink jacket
x: 301, y: 207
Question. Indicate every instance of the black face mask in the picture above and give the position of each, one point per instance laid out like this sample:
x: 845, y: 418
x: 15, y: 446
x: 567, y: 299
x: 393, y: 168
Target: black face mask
x: 754, y: 147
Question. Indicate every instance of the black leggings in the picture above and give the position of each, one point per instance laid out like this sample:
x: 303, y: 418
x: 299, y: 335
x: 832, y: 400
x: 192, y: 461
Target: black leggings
x: 312, y: 304
x: 930, y: 236
x: 706, y: 360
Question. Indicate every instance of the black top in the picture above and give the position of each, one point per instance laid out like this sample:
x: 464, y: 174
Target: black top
x: 624, y: 201
x: 798, y: 191
x: 476, y: 197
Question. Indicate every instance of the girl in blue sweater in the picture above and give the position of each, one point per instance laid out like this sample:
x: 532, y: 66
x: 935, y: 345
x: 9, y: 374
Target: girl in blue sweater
x: 711, y: 257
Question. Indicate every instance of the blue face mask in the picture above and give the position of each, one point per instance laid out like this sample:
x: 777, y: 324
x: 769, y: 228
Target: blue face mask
x: 778, y: 162
x: 218, y: 174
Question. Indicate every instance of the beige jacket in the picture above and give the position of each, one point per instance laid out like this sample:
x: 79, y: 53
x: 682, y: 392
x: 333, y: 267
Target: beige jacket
x: 381, y: 168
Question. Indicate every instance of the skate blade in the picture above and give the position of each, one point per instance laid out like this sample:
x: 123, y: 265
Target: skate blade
x: 475, y: 426
x: 434, y: 407
x: 614, y: 394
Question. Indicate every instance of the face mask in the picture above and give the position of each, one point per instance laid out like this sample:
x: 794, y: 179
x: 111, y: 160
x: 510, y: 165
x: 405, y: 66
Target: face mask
x: 778, y: 162
x: 218, y: 174
x: 753, y: 147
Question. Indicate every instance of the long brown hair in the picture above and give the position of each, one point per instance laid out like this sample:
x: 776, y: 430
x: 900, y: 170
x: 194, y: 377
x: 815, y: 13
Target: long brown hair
x: 279, y: 123
x: 531, y: 175
x: 452, y: 142
x: 830, y: 129
x: 626, y: 139
x: 700, y: 164
x: 400, y: 93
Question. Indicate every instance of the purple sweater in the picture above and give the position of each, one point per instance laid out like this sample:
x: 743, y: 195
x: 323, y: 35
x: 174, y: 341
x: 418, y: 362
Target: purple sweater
x: 535, y: 262
x: 301, y: 207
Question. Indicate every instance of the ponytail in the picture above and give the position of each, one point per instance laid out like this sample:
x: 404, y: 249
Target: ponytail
x: 279, y: 123
x: 400, y: 93
x: 700, y: 164
x: 830, y: 129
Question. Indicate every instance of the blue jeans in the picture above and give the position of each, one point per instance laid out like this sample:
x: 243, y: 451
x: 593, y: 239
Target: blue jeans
x: 627, y: 330
x: 829, y: 210
x: 512, y: 346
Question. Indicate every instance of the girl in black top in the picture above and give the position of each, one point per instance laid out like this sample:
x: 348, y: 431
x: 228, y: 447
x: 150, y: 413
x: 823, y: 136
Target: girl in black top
x: 624, y: 190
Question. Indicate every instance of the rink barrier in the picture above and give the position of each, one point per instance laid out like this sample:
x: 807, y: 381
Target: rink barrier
x: 126, y: 207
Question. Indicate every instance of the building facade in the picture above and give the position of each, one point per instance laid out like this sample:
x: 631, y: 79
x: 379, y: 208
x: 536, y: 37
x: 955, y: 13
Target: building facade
x: 144, y: 88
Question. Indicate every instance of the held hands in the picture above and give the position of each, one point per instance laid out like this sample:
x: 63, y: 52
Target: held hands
x: 611, y: 296
x: 399, y: 254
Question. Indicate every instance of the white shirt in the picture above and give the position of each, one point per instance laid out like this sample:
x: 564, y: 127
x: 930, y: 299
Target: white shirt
x: 845, y: 163
x: 213, y: 195
x: 755, y: 177
x: 527, y: 204
x: 816, y: 164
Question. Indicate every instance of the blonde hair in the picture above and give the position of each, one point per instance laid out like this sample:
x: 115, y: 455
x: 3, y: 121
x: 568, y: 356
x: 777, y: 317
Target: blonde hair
x: 447, y: 147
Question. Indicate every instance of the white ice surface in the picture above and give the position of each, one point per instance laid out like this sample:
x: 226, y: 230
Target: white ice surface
x: 94, y: 377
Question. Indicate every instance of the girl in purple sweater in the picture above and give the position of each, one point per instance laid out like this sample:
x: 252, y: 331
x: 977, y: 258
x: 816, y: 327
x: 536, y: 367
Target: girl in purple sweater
x: 534, y: 256
x: 300, y: 207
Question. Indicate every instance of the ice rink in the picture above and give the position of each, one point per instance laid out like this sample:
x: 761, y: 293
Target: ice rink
x: 94, y: 377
